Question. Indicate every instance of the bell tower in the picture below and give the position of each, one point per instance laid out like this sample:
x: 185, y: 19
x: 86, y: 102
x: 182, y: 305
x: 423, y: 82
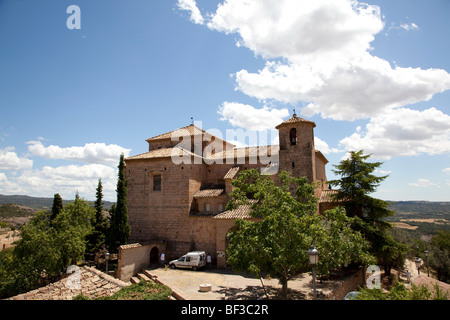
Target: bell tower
x: 297, y: 152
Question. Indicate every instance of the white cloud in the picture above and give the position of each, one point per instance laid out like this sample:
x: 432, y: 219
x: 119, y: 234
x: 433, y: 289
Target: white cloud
x: 404, y: 26
x: 248, y: 117
x: 423, y: 183
x: 19, y: 176
x: 89, y: 153
x: 323, y: 147
x: 359, y: 89
x: 9, y: 160
x: 403, y: 132
x: 325, y: 51
x: 299, y: 30
x: 90, y: 171
x: 383, y: 172
x: 191, y: 6
x: 446, y: 170
x: 65, y: 180
x: 409, y: 26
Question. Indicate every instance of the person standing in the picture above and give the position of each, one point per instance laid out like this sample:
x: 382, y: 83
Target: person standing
x: 162, y: 258
x: 208, y: 261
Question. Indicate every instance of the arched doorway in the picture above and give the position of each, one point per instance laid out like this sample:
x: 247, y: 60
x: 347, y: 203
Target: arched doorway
x: 154, y: 255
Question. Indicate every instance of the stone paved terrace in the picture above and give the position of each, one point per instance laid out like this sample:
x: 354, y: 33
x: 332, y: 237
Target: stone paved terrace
x: 92, y: 283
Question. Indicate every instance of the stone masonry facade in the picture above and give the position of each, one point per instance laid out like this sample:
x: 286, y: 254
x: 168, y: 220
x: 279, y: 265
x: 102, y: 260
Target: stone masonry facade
x: 178, y: 190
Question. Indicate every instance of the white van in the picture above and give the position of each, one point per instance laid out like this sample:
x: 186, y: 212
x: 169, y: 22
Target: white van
x: 193, y: 260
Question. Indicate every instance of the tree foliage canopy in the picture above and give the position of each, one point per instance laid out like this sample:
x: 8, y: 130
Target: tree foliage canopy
x: 439, y: 258
x: 284, y: 226
x: 119, y: 226
x: 57, y: 206
x: 100, y: 225
x: 356, y: 184
x: 46, y: 248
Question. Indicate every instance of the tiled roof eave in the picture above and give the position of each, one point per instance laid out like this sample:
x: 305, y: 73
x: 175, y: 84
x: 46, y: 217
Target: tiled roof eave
x: 209, y: 193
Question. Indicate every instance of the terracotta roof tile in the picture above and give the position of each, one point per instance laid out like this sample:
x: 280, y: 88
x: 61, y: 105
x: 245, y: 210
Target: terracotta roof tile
x: 327, y: 196
x: 190, y: 129
x: 430, y: 283
x: 162, y: 153
x: 295, y: 119
x: 237, y: 153
x: 241, y: 212
x: 231, y: 173
x: 208, y: 193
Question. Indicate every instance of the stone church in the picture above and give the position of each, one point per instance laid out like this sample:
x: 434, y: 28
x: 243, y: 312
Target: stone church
x: 177, y: 191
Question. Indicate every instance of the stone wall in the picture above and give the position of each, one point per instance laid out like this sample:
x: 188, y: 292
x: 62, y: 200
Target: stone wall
x: 299, y: 159
x: 161, y: 215
x: 134, y: 257
x: 352, y: 283
x: 203, y: 235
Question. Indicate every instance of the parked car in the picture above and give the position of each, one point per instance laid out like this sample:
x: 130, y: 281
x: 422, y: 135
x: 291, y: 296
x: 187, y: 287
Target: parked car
x: 352, y: 295
x: 191, y: 260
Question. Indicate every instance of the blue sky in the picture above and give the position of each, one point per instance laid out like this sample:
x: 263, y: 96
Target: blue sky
x: 373, y: 76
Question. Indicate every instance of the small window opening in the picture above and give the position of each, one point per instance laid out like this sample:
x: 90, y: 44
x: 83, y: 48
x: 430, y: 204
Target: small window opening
x: 157, y: 182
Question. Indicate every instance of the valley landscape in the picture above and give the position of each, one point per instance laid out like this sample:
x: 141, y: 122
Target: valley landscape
x: 421, y: 218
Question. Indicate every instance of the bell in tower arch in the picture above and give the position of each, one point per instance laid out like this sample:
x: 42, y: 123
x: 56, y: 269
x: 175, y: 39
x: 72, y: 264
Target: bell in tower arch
x: 293, y: 136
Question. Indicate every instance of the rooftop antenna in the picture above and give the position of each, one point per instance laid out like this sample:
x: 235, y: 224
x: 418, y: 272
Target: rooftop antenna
x: 192, y: 120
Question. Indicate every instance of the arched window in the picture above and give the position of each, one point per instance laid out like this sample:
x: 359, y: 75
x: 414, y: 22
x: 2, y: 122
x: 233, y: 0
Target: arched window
x: 293, y: 136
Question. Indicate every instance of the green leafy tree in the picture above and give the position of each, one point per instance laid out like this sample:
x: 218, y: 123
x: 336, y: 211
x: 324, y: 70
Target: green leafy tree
x: 72, y: 227
x: 36, y: 257
x: 284, y: 226
x: 46, y: 248
x: 389, y: 252
x: 119, y: 228
x: 439, y: 257
x: 7, y: 263
x: 97, y: 239
x: 356, y: 183
x: 57, y: 206
x: 399, y: 292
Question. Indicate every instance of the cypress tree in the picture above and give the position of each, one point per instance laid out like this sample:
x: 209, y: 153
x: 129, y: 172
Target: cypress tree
x: 57, y: 206
x: 120, y: 229
x: 97, y: 239
x: 356, y: 183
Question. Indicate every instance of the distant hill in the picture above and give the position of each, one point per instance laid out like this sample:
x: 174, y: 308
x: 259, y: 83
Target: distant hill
x: 15, y: 210
x: 421, y: 217
x: 15, y: 215
x: 39, y: 203
x: 422, y: 209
